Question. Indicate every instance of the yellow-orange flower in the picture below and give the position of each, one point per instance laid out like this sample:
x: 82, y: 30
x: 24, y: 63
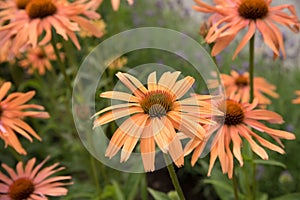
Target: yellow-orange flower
x: 39, y: 59
x: 239, y: 83
x: 297, y: 100
x: 32, y: 22
x: 239, y: 117
x: 29, y: 182
x: 12, y: 112
x: 155, y: 113
x: 230, y: 17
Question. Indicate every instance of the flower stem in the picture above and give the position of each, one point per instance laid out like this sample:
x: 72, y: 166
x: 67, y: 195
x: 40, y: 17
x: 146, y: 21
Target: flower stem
x: 62, y: 66
x: 95, y: 174
x: 173, y: 177
x: 251, y: 67
x: 251, y: 74
x: 235, y: 186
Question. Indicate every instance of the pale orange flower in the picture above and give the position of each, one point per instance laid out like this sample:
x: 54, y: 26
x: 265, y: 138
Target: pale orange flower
x: 239, y: 119
x: 39, y: 59
x: 12, y: 112
x: 116, y: 4
x: 240, y: 83
x: 29, y: 182
x: 232, y: 16
x: 297, y: 100
x: 32, y: 23
x: 154, y: 116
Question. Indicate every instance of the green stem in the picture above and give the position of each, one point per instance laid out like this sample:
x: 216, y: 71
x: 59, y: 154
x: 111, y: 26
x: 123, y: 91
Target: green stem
x: 211, y: 45
x: 62, y: 66
x: 95, y: 174
x: 251, y: 67
x: 173, y: 177
x: 251, y: 74
x: 235, y: 186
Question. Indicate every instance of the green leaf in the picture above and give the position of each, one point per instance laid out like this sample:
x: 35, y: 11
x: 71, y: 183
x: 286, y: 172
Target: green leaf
x: 173, y: 195
x: 219, y: 184
x: 132, y: 186
x: 118, y: 191
x: 292, y: 196
x: 157, y: 195
x: 270, y: 162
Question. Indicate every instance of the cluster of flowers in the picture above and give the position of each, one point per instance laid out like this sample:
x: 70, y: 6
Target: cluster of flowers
x: 158, y: 114
x: 29, y: 26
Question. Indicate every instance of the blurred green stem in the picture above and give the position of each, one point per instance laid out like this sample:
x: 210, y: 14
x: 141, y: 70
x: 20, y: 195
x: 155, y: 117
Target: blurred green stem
x: 95, y: 174
x: 251, y: 73
x: 251, y: 67
x: 62, y: 66
x: 235, y: 186
x: 173, y: 177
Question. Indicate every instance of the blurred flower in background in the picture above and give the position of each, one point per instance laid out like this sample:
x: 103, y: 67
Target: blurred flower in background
x: 29, y: 23
x: 297, y: 100
x: 240, y: 83
x: 116, y: 4
x: 29, y: 182
x: 230, y: 17
x: 12, y: 113
x: 39, y: 59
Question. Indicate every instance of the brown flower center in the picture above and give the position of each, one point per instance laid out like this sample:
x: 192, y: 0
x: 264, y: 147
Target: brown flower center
x: 253, y: 9
x: 157, y: 103
x: 234, y: 112
x: 40, y: 54
x: 241, y: 81
x: 21, y: 189
x: 40, y: 8
x: 21, y: 4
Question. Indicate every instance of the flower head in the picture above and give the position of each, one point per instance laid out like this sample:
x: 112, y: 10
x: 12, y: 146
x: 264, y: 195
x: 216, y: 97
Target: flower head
x: 239, y: 118
x: 31, y: 22
x: 29, y: 182
x: 155, y: 113
x: 230, y: 17
x: 12, y: 112
x: 39, y: 59
x: 239, y: 83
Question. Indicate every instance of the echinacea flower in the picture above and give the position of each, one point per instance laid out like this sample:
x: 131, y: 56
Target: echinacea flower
x: 32, y: 182
x: 155, y: 113
x: 39, y: 59
x: 12, y: 112
x: 239, y: 119
x: 230, y: 17
x: 116, y: 4
x: 33, y: 22
x: 297, y: 100
x: 239, y: 83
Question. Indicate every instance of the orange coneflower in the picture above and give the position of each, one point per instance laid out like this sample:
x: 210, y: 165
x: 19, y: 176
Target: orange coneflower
x: 39, y: 59
x: 297, y: 100
x: 239, y: 117
x: 155, y: 115
x: 31, y: 22
x: 29, y: 182
x: 254, y: 14
x: 239, y: 83
x: 12, y: 112
x: 116, y: 4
